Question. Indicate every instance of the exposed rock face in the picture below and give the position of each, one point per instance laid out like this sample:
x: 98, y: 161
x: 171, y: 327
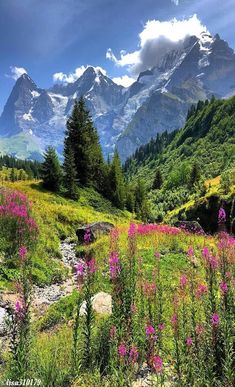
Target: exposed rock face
x: 95, y: 229
x: 194, y: 69
x: 2, y: 318
x: 101, y: 304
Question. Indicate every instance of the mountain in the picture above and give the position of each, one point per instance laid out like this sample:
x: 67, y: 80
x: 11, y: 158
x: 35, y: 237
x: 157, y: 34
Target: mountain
x: 207, y: 140
x: 195, y: 69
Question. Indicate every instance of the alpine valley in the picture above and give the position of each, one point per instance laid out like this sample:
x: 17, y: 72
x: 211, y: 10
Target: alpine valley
x: 196, y: 69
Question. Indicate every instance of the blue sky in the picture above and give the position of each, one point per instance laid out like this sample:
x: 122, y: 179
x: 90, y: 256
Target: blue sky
x: 47, y: 37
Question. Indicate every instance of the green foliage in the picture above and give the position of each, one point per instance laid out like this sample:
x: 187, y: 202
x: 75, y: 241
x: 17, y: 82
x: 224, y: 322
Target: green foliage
x: 82, y: 138
x: 158, y: 181
x: 51, y: 170
x: 204, y: 148
x: 116, y: 182
x: 70, y: 173
x: 225, y: 182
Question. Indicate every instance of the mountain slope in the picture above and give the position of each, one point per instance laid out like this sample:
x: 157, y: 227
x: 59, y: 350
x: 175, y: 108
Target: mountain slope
x: 208, y: 137
x: 195, y: 69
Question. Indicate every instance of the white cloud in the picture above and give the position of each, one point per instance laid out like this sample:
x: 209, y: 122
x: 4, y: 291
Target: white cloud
x: 124, y: 80
x: 176, y: 2
x: 156, y: 39
x: 72, y: 77
x: 16, y: 72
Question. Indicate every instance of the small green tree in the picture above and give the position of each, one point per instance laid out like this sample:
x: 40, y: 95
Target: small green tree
x: 194, y: 175
x: 13, y: 176
x: 116, y: 182
x: 51, y: 170
x: 141, y: 202
x: 158, y: 181
x: 70, y: 182
x: 225, y: 182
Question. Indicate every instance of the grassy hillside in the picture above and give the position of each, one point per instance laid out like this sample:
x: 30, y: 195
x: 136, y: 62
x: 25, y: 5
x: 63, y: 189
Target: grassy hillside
x: 207, y: 140
x: 58, y: 218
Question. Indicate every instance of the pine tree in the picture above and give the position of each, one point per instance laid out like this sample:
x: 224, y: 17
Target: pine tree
x: 70, y: 173
x: 141, y: 203
x: 157, y: 183
x: 51, y: 170
x: 13, y: 175
x: 86, y: 148
x: 194, y: 175
x: 116, y: 182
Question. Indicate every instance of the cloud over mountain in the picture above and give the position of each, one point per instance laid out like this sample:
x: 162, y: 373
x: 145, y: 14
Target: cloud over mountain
x: 155, y: 40
x: 16, y: 72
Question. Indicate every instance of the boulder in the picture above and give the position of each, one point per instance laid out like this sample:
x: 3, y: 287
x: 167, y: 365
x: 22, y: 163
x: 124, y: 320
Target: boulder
x: 191, y: 226
x: 101, y: 304
x: 96, y: 230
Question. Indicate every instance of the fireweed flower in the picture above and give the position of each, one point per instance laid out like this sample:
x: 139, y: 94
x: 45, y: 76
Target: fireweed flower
x: 205, y: 253
x: 87, y: 236
x: 174, y: 319
x: 91, y: 266
x: 122, y: 351
x: 23, y: 252
x: 190, y: 252
x: 189, y: 341
x: 221, y: 216
x: 149, y: 289
x: 132, y: 230
x: 215, y: 320
x: 157, y: 363
x: 133, y: 354
x: 201, y: 290
x: 223, y: 287
x: 214, y: 263
x: 80, y: 269
x: 161, y: 327
x: 183, y: 281
x: 149, y: 330
x: 18, y: 307
x: 114, y: 265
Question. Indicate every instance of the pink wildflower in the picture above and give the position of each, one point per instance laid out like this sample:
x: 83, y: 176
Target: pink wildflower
x: 80, y: 268
x: 190, y: 252
x: 183, y: 281
x: 122, y: 351
x: 221, y: 216
x: 215, y: 320
x: 149, y: 330
x: 18, y: 307
x: 157, y: 363
x: 174, y: 319
x: 133, y: 354
x: 114, y: 265
x: 201, y: 290
x: 223, y: 287
x: 91, y: 266
x: 161, y: 327
x: 132, y: 230
x: 23, y: 252
x: 189, y: 341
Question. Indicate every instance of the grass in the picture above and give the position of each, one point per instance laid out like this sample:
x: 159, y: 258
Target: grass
x: 57, y: 219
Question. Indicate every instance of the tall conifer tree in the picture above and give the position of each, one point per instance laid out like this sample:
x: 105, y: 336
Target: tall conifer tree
x: 51, y: 170
x: 84, y: 142
x: 116, y: 182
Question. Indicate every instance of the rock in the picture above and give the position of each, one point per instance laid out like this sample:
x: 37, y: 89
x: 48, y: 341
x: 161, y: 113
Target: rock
x: 96, y: 229
x: 67, y: 249
x: 191, y: 226
x: 101, y: 304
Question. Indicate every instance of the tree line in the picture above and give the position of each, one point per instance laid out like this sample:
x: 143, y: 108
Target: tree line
x: 85, y: 166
